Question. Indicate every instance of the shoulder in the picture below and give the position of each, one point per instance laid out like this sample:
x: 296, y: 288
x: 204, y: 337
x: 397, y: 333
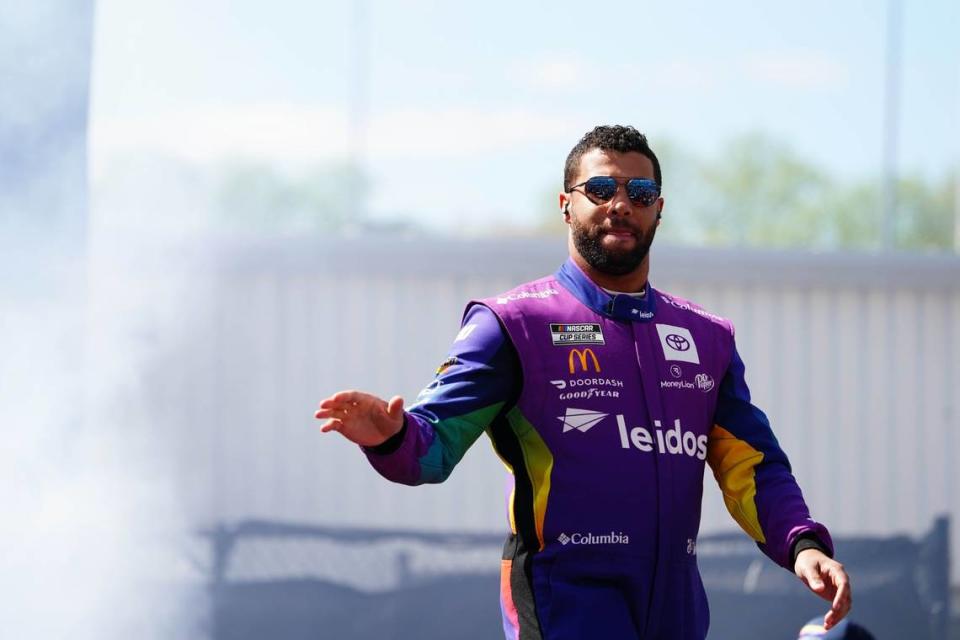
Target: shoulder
x: 690, y: 313
x: 539, y: 289
x: 525, y: 299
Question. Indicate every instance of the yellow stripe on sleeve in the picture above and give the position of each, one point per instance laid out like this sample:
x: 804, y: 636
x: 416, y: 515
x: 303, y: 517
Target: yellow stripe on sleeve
x: 733, y: 462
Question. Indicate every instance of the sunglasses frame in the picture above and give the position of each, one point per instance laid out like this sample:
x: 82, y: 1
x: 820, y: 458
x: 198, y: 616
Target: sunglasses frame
x: 620, y: 181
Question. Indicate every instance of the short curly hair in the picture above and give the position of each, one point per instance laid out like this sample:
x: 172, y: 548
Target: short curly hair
x: 609, y: 138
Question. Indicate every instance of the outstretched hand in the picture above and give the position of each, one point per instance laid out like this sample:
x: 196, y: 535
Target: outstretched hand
x: 361, y: 417
x: 828, y: 579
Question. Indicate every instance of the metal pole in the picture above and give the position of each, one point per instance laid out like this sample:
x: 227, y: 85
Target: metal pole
x: 357, y: 116
x: 956, y: 183
x: 891, y: 124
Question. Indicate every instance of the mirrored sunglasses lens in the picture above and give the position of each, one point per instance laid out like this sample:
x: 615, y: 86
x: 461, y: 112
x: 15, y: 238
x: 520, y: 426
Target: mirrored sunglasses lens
x: 644, y: 192
x: 601, y: 188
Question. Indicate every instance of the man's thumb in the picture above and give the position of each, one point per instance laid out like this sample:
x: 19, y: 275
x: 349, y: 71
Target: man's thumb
x: 395, y: 407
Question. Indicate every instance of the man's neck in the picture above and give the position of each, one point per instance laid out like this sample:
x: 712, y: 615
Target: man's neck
x: 632, y: 282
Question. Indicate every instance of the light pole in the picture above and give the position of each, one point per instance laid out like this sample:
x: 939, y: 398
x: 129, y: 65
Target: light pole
x: 891, y: 129
x: 357, y: 104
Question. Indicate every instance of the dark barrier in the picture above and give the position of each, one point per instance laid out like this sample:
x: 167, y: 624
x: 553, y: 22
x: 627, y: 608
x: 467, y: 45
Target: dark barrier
x: 286, y: 582
x: 901, y: 587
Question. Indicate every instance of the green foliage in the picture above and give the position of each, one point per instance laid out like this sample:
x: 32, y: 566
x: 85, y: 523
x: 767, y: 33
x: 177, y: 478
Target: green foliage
x: 758, y: 192
x: 925, y: 214
x: 257, y: 197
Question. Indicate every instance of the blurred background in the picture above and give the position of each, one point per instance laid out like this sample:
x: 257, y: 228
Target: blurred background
x: 212, y: 215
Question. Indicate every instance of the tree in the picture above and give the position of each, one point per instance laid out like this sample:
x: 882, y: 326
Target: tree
x: 257, y: 197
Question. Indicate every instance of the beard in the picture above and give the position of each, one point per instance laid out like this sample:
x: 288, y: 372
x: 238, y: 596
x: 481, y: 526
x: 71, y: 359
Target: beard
x: 589, y: 243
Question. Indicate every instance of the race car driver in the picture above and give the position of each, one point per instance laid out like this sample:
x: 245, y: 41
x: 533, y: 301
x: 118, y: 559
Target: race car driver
x: 605, y: 398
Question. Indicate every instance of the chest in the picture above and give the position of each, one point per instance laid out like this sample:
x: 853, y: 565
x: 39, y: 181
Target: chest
x: 629, y: 384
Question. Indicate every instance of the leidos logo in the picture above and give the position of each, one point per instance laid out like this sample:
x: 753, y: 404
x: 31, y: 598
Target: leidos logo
x: 582, y: 357
x: 675, y: 441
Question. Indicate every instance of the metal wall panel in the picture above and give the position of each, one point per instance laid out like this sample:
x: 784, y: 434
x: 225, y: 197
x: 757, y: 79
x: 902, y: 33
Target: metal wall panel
x: 855, y: 359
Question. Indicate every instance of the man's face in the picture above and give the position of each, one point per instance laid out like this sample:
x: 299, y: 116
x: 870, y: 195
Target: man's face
x: 613, y: 237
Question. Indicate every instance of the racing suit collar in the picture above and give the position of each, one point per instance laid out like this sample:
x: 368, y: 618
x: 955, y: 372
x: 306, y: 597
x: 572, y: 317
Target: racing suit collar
x: 619, y: 307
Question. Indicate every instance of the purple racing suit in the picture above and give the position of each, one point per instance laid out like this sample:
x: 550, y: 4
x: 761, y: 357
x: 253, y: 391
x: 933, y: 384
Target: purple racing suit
x: 606, y: 409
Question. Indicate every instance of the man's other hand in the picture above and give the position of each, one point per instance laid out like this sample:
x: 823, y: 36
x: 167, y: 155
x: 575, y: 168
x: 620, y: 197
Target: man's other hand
x: 828, y: 579
x: 361, y: 417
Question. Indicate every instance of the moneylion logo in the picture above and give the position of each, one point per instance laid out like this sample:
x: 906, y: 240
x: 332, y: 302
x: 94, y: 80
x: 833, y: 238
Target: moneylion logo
x: 582, y: 356
x: 580, y: 419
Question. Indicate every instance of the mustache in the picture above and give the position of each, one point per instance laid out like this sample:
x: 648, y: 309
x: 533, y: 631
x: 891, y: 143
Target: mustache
x: 617, y: 224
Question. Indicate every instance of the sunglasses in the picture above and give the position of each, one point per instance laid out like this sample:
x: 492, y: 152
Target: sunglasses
x: 641, y: 191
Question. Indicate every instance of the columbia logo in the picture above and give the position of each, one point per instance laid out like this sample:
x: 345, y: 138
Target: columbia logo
x: 564, y: 538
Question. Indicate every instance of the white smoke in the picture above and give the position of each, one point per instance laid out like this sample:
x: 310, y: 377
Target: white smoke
x: 92, y: 537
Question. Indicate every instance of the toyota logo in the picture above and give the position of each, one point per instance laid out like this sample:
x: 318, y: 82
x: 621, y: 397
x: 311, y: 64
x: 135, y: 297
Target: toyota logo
x: 677, y: 343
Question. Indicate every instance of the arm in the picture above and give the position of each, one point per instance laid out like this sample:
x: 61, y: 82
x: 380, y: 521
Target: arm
x: 479, y: 379
x: 754, y: 473
x: 762, y: 495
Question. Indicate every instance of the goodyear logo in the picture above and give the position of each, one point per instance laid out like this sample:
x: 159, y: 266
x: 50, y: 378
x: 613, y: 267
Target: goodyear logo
x: 583, y: 357
x: 564, y: 334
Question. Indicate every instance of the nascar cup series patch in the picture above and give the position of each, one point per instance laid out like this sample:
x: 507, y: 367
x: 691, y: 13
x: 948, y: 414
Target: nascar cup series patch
x: 566, y: 334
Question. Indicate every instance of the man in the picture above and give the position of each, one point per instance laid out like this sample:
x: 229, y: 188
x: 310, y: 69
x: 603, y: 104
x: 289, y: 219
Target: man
x: 604, y: 397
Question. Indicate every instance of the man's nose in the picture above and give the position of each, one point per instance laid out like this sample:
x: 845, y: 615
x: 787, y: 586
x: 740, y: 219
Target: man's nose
x: 620, y: 203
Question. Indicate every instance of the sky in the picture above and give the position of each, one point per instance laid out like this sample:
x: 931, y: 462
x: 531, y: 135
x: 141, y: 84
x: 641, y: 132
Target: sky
x: 462, y: 114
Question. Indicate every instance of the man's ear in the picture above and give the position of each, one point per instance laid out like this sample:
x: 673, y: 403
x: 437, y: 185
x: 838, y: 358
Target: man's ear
x: 565, y: 206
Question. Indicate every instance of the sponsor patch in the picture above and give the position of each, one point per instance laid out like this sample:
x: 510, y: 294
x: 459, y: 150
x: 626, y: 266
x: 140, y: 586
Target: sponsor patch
x: 584, y: 357
x: 566, y: 334
x: 678, y: 344
x: 704, y: 382
x: 524, y: 295
x: 465, y: 332
x: 614, y: 537
x: 580, y: 419
x: 446, y: 364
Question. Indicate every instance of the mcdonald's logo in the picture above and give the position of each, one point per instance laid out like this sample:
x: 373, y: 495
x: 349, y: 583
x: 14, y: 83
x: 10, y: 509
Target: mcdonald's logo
x: 582, y: 356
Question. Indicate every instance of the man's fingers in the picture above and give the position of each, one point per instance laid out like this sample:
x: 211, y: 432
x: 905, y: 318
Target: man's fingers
x: 830, y: 620
x: 351, y: 397
x: 331, y: 425
x: 843, y: 600
x: 331, y: 413
x: 334, y: 403
x: 811, y: 576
